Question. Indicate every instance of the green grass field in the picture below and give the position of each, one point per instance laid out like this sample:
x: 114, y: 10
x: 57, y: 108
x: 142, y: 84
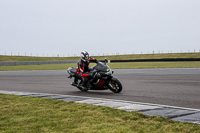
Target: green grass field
x: 112, y: 65
x: 127, y: 65
x: 31, y: 114
x: 115, y: 57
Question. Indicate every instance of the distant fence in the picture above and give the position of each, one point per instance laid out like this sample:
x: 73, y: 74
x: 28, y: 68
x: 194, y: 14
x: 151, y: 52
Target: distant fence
x: 75, y: 61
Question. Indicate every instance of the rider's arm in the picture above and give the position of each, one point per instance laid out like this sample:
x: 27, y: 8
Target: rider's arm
x: 93, y: 60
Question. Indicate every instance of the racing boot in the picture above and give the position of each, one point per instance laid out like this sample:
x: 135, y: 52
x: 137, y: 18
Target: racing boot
x: 82, y: 87
x: 74, y: 84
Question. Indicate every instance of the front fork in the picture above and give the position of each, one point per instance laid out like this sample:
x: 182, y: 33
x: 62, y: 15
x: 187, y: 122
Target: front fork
x: 109, y: 82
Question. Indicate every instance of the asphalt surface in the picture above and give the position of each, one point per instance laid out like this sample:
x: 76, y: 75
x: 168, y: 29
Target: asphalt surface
x: 174, y: 87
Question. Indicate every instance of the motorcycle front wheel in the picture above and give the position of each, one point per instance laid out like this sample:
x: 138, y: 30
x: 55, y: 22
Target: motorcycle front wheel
x: 115, y: 85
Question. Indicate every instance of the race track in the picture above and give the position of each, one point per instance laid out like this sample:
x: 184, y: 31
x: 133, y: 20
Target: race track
x: 175, y: 87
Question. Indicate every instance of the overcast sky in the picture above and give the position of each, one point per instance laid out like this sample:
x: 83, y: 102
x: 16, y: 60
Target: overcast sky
x: 67, y: 27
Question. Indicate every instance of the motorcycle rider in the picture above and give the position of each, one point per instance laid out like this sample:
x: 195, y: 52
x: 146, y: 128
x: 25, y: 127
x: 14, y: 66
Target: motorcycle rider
x: 83, y: 70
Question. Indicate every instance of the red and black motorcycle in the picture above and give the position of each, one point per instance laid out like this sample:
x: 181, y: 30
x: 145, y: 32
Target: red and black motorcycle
x: 102, y: 78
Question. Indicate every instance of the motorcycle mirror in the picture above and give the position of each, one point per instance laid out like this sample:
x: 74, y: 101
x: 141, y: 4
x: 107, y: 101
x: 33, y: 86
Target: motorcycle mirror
x: 106, y: 60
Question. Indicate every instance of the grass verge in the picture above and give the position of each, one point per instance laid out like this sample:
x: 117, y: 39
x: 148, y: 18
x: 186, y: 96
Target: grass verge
x: 127, y: 65
x: 31, y: 114
x: 112, y: 57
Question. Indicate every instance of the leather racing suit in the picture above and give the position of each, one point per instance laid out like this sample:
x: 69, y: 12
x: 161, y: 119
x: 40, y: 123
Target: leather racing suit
x: 83, y: 69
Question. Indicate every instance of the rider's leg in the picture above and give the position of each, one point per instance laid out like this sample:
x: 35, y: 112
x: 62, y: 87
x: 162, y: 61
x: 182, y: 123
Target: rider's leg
x: 87, y: 80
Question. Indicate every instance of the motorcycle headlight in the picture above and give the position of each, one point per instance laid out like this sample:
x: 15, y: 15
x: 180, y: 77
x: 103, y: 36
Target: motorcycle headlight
x: 109, y: 72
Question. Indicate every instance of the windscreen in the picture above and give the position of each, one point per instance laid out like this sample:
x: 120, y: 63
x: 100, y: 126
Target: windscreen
x: 102, y: 67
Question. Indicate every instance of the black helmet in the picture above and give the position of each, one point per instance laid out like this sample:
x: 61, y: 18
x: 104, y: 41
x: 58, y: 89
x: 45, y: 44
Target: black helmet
x: 85, y: 56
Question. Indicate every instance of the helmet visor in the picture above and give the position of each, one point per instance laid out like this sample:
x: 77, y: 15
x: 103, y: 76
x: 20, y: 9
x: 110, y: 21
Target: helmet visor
x: 87, y: 57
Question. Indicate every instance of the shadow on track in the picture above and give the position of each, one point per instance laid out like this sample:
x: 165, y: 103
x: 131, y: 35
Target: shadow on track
x: 91, y: 93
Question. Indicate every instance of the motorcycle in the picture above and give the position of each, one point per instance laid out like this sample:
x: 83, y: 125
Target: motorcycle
x: 102, y: 78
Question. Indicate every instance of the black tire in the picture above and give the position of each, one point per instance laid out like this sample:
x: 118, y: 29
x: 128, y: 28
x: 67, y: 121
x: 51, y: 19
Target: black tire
x: 116, y: 85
